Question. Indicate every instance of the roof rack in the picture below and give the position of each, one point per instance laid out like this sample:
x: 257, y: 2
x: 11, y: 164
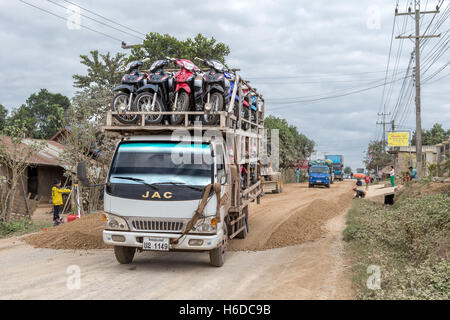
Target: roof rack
x: 227, y: 120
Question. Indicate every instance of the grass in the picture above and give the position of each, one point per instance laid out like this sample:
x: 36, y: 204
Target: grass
x: 409, y: 242
x: 20, y: 227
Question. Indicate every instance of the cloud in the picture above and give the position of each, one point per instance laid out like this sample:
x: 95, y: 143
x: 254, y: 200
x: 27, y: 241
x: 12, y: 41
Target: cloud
x: 286, y: 48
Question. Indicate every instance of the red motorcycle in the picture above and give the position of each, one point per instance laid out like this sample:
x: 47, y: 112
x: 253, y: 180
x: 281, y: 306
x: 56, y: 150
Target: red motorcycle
x: 188, y: 91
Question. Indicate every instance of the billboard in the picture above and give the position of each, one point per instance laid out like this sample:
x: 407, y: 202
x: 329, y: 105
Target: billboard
x: 398, y: 139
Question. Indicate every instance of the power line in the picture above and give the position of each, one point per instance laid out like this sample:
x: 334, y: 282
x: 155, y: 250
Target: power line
x: 100, y: 16
x: 436, y: 72
x: 417, y: 36
x: 299, y: 99
x: 320, y: 76
x: 95, y: 20
x: 437, y: 80
x: 65, y: 19
x: 387, y: 67
x: 331, y: 97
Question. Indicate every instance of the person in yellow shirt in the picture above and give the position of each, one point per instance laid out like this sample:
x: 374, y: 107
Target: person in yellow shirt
x: 57, y: 200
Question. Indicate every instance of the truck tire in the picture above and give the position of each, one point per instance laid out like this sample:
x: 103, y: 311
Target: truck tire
x: 310, y: 185
x: 124, y: 255
x: 327, y: 185
x: 243, y: 233
x: 217, y: 255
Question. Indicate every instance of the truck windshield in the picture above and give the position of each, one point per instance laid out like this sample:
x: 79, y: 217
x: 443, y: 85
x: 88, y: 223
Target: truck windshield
x: 163, y: 163
x: 318, y: 170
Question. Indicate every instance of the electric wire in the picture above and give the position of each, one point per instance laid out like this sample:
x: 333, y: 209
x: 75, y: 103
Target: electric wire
x: 65, y: 19
x: 95, y: 20
x: 107, y: 19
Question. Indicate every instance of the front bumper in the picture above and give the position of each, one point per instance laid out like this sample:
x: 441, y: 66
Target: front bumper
x: 134, y: 239
x: 325, y: 182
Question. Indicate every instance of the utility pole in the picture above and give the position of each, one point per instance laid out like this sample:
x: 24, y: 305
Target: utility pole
x: 417, y: 13
x: 384, y: 123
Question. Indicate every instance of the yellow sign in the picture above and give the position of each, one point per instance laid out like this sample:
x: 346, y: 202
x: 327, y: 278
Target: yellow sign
x: 398, y: 139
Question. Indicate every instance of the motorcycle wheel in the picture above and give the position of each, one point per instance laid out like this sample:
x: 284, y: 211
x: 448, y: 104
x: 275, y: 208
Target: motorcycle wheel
x: 120, y: 104
x: 253, y: 116
x: 144, y: 103
x: 244, y: 115
x: 182, y: 105
x: 216, y: 100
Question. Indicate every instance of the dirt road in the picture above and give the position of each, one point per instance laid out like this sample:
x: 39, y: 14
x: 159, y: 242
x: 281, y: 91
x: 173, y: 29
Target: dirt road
x: 293, y: 251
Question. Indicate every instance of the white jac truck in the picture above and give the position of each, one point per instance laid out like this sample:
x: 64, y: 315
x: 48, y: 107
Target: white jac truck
x: 185, y: 187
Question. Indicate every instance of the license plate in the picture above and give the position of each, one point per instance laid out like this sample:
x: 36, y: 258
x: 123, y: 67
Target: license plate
x: 319, y: 180
x: 157, y: 244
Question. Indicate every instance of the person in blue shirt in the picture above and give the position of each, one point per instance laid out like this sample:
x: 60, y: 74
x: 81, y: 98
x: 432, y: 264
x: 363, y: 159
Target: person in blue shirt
x: 412, y: 173
x: 358, y: 182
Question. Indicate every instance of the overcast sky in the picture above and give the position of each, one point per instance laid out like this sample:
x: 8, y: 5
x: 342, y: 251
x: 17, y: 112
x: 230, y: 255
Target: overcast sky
x: 288, y: 49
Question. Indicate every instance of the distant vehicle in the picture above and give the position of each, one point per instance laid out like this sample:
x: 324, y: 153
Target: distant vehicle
x: 360, y: 170
x: 338, y: 165
x: 320, y: 172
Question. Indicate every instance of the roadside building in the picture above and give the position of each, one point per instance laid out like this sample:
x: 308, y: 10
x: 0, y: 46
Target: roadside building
x: 443, y: 150
x: 405, y: 157
x: 43, y: 168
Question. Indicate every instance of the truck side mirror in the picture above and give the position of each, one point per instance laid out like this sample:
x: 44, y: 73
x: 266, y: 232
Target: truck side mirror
x: 82, y: 174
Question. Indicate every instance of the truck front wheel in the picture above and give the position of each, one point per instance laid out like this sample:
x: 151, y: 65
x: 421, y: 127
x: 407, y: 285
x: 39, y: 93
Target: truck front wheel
x: 124, y: 255
x: 217, y: 255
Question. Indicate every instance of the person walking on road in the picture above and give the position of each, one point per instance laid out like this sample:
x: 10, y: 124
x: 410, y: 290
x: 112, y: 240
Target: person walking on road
x: 297, y: 174
x: 367, y: 180
x: 392, y: 174
x: 57, y: 201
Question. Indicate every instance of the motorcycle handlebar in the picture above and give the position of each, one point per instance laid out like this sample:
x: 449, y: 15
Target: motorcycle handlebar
x: 199, y: 59
x: 146, y: 59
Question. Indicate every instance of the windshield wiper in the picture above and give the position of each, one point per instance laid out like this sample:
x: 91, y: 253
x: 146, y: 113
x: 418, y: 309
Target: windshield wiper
x: 138, y: 180
x: 182, y: 183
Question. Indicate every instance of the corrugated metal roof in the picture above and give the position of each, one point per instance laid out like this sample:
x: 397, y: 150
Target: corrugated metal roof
x: 48, y: 155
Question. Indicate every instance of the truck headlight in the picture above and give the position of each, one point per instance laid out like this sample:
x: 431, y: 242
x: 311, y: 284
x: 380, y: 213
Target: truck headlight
x: 205, y: 225
x: 113, y: 222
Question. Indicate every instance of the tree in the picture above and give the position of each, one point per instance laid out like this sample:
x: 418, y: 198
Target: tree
x: 86, y: 143
x: 42, y: 115
x: 347, y: 170
x: 14, y: 159
x: 294, y: 146
x: 3, y: 116
x: 376, y: 156
x: 435, y: 135
x: 158, y: 46
x: 103, y: 74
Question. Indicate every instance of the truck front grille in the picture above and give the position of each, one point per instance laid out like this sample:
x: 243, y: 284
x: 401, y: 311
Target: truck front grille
x: 141, y: 224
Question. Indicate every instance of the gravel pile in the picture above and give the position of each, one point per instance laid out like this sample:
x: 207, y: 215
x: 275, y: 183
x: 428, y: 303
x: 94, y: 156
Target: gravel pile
x: 84, y: 233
